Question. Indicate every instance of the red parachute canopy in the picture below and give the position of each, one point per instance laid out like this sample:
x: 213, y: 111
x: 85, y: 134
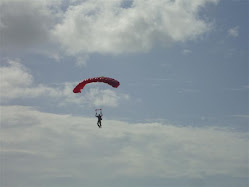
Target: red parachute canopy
x: 114, y: 83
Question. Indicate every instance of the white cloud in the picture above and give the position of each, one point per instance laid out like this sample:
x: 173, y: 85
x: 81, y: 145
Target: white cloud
x: 93, y: 96
x: 186, y: 51
x: 105, y: 97
x: 17, y: 82
x: 82, y: 60
x: 241, y: 116
x: 108, y: 27
x: 62, y: 146
x: 234, y: 32
x: 98, y: 26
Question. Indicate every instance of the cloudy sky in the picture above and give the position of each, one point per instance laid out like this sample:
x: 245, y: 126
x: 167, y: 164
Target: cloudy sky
x: 179, y: 117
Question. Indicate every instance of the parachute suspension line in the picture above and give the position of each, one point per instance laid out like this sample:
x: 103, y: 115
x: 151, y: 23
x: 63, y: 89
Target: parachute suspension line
x: 98, y: 111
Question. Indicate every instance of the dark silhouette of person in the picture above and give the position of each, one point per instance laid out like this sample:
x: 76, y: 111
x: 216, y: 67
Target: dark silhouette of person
x: 99, y: 119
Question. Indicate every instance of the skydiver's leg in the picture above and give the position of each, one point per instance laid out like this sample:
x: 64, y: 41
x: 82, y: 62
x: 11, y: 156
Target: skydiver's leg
x: 99, y: 124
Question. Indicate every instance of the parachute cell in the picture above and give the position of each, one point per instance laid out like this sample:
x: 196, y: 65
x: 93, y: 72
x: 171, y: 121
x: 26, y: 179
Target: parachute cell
x: 112, y: 82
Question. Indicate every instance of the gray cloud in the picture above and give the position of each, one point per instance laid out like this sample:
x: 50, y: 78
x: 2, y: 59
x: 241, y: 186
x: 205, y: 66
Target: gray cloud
x: 24, y: 24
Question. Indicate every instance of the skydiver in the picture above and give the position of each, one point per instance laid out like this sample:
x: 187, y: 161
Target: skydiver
x: 99, y: 119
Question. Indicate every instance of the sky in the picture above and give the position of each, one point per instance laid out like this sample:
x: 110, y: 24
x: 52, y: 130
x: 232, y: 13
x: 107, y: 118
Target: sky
x: 179, y: 117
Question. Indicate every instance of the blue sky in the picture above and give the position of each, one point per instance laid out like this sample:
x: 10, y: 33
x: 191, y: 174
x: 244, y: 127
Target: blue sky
x: 179, y: 117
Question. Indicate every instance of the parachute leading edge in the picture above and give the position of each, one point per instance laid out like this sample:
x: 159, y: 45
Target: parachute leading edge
x: 112, y: 82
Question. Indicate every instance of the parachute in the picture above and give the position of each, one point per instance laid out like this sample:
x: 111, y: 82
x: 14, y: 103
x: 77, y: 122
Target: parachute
x: 112, y: 82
